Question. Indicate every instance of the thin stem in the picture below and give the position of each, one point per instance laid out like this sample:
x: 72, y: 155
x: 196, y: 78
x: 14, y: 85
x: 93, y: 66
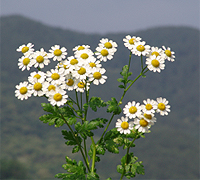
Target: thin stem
x: 77, y: 100
x: 106, y: 128
x: 93, y: 155
x: 86, y: 162
x: 141, y: 62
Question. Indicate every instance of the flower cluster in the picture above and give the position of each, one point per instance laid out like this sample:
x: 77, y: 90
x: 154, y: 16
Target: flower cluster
x: 75, y: 72
x: 155, y: 57
x: 143, y: 115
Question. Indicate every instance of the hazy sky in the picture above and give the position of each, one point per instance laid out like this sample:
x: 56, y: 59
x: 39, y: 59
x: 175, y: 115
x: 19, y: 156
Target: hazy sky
x: 104, y: 16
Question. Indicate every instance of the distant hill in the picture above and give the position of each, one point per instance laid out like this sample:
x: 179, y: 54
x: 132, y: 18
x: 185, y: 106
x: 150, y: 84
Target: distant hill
x: 170, y: 151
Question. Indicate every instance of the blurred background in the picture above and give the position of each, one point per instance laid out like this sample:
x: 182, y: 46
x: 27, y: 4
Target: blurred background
x: 33, y: 150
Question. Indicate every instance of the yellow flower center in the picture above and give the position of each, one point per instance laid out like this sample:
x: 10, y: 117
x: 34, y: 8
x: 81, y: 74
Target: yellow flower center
x: 97, y: 75
x: 155, y: 53
x: 55, y: 76
x: 168, y: 53
x: 140, y: 48
x: 143, y: 123
x: 124, y: 125
x: 82, y: 71
x: 57, y: 97
x: 37, y: 76
x: 70, y: 82
x: 108, y: 45
x: 40, y: 59
x: 65, y: 66
x: 104, y: 52
x: 148, y: 116
x: 155, y: 63
x: 80, y: 48
x: 23, y: 90
x: 84, y: 56
x: 26, y: 61
x: 132, y: 109
x: 149, y: 106
x: 25, y: 49
x: 92, y: 64
x: 81, y: 84
x: 74, y: 61
x: 57, y: 52
x: 37, y: 86
x: 51, y: 87
x: 132, y: 41
x: 161, y: 106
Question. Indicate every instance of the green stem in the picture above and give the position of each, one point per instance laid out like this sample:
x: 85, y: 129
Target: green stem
x: 93, y: 155
x: 106, y: 128
x: 77, y: 100
x: 86, y: 162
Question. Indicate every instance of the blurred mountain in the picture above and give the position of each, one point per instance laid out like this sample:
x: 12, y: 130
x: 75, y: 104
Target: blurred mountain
x: 170, y: 151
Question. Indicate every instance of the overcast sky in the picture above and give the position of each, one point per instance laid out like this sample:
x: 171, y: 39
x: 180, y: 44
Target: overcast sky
x: 103, y: 16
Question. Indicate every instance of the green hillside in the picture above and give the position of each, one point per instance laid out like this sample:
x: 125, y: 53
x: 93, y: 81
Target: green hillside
x: 170, y: 151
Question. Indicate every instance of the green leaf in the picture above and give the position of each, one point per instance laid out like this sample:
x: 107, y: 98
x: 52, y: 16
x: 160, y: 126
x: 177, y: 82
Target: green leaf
x: 111, y: 146
x: 121, y: 86
x: 120, y: 80
x: 71, y: 140
x: 100, y: 149
x: 75, y: 149
x: 74, y: 170
x: 92, y: 176
x: 109, y: 179
x: 113, y: 106
x: 96, y: 102
x: 48, y: 107
x: 120, y: 169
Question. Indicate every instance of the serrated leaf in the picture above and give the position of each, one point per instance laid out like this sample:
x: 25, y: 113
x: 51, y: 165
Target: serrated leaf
x: 113, y: 106
x: 75, y: 149
x: 100, y: 149
x: 92, y: 176
x: 74, y: 170
x: 111, y: 146
x: 96, y: 102
x: 71, y: 140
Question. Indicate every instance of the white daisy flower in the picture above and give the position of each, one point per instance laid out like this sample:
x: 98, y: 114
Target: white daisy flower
x: 79, y: 47
x: 169, y: 55
x: 55, y: 76
x: 104, y: 54
x: 156, y: 51
x: 58, y: 97
x: 25, y: 62
x: 37, y: 76
x: 97, y: 76
x: 142, y: 125
x: 85, y: 56
x: 123, y: 126
x: 40, y: 58
x: 63, y: 66
x: 149, y: 117
x: 95, y: 64
x: 108, y: 44
x: 57, y: 53
x: 141, y: 49
x: 149, y: 106
x: 24, y: 90
x: 70, y: 83
x: 82, y: 73
x: 81, y: 86
x: 49, y: 88
x: 37, y: 88
x: 129, y: 41
x: 26, y: 49
x: 73, y: 63
x: 162, y: 106
x: 155, y: 63
x: 132, y: 109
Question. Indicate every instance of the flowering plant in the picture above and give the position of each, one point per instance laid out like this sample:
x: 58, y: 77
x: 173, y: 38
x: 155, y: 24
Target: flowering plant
x: 77, y: 73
